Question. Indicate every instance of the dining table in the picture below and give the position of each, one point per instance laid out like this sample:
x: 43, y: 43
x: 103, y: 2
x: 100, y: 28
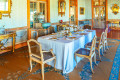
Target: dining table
x: 64, y: 47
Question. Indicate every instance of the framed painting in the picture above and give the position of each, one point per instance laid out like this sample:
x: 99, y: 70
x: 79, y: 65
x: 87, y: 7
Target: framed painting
x: 82, y: 10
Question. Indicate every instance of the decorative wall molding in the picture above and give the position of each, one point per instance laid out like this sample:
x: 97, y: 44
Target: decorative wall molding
x: 113, y: 20
x: 16, y: 29
x: 85, y: 20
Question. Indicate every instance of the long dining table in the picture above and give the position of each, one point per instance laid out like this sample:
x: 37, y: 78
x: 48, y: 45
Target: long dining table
x: 65, y: 47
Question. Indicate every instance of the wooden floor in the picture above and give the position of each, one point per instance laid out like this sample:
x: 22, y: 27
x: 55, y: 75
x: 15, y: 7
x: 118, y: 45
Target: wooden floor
x: 16, y: 65
x: 113, y: 34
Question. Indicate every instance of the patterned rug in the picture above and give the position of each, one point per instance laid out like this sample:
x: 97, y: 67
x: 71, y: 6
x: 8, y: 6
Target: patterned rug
x: 46, y: 69
x: 86, y: 73
x: 116, y: 66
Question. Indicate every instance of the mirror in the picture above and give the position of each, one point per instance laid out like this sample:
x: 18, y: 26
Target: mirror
x: 5, y: 8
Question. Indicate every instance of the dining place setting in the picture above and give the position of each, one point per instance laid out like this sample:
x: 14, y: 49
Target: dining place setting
x: 66, y: 35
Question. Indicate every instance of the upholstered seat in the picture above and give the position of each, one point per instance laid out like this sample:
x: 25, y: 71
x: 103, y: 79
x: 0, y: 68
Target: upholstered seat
x: 90, y: 43
x: 83, y: 51
x: 87, y: 27
x: 46, y: 56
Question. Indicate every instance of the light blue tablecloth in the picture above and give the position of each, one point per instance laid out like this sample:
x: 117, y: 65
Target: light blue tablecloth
x: 64, y: 49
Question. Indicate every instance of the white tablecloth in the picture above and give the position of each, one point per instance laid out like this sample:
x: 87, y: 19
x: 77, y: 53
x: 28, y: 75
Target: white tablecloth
x: 64, y: 49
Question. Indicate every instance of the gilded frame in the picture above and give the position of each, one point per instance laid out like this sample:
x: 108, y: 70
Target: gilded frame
x: 60, y: 10
x: 6, y: 12
x: 82, y: 10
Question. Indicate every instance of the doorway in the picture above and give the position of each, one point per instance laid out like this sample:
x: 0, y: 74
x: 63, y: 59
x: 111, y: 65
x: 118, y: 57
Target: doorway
x: 99, y: 14
x: 72, y: 15
x: 73, y: 12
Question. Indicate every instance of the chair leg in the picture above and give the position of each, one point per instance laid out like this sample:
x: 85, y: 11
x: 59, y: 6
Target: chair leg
x: 42, y: 69
x: 55, y: 64
x: 104, y: 47
x: 95, y: 59
x: 75, y: 60
x: 30, y: 65
x: 99, y: 54
x: 102, y: 51
x: 91, y: 65
x: 107, y: 45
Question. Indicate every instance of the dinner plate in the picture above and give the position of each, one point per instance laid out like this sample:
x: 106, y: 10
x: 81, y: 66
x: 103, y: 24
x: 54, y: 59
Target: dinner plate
x: 76, y: 33
x: 72, y: 37
x: 81, y: 30
x: 89, y: 31
x: 53, y: 38
x: 83, y: 33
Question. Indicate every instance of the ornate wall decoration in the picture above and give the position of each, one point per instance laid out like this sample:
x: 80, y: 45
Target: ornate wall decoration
x: 115, y: 9
x: 61, y: 7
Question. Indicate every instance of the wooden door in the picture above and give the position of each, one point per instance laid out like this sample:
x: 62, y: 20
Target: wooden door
x: 98, y: 14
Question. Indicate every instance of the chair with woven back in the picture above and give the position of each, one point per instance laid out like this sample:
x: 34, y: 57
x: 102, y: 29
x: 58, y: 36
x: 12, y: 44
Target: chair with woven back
x: 87, y: 53
x: 105, y: 39
x: 38, y: 55
x: 99, y: 45
x: 59, y: 28
x: 87, y: 27
x: 41, y: 32
x: 51, y: 30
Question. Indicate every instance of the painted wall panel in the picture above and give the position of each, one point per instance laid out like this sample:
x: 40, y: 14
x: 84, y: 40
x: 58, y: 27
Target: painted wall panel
x: 88, y: 9
x: 81, y: 3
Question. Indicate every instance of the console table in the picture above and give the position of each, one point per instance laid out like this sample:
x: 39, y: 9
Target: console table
x: 6, y: 36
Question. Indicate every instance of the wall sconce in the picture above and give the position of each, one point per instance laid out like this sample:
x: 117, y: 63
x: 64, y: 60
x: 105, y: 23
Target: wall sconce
x: 115, y: 9
x: 61, y: 7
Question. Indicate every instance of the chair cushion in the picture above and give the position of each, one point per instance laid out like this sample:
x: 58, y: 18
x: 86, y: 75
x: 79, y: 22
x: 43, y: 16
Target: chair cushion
x: 83, y: 51
x: 46, y: 56
x: 90, y: 43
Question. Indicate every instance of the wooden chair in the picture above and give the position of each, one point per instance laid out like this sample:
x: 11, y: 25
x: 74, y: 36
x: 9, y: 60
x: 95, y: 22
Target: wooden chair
x: 87, y: 27
x: 36, y: 54
x: 51, y: 30
x: 59, y: 28
x: 41, y: 32
x: 105, y: 39
x: 87, y: 53
x: 99, y: 45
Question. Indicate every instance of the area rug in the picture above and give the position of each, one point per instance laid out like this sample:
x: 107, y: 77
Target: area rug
x: 86, y: 73
x: 46, y: 69
x: 116, y: 66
